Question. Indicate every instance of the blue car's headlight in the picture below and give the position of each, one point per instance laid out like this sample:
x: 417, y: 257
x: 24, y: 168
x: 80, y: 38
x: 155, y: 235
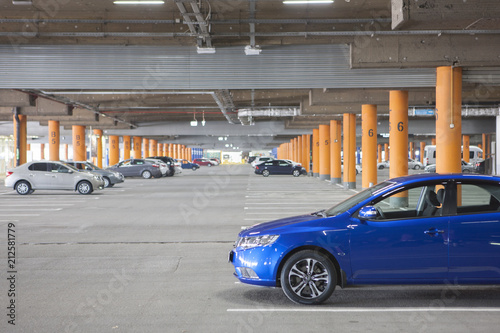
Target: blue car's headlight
x: 251, y: 242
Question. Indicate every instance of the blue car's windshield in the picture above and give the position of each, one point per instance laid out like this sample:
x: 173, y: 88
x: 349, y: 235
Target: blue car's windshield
x: 357, y: 198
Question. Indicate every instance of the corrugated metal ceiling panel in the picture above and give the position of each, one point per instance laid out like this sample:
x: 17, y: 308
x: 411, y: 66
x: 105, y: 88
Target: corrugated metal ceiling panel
x: 156, y: 67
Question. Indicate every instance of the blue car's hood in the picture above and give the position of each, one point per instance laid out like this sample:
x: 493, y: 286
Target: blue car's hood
x: 264, y: 228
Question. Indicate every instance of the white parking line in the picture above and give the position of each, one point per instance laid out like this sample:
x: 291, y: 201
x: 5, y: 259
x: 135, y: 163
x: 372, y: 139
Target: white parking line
x: 32, y: 210
x: 344, y: 310
x: 33, y: 204
x: 19, y: 215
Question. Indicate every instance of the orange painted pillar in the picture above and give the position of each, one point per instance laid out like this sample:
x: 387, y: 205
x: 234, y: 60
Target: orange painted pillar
x: 324, y: 152
x: 171, y: 150
x: 386, y: 151
x: 379, y: 150
x: 153, y: 147
x: 65, y: 151
x: 398, y: 140
x: 42, y: 151
x: 299, y: 149
x: 315, y: 152
x: 79, y: 149
x: 190, y: 156
x: 126, y: 147
x: 349, y: 150
x: 294, y: 151
x: 114, y: 149
x: 484, y: 145
x: 160, y: 149
x: 98, y: 134
x: 466, y: 148
x: 145, y: 148
x: 369, y: 145
x: 448, y: 119
x: 290, y: 150
x: 422, y: 149
x: 433, y: 141
x: 20, y: 146
x: 174, y: 151
x: 305, y: 152
x: 335, y: 152
x: 137, y: 140
x: 398, y: 133
x: 412, y: 150
x: 54, y: 140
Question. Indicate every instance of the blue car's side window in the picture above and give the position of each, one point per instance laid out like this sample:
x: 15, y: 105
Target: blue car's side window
x: 478, y: 198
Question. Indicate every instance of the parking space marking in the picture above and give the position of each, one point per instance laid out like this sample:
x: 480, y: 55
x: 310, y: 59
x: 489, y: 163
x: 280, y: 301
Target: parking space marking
x: 343, y: 310
x: 19, y: 215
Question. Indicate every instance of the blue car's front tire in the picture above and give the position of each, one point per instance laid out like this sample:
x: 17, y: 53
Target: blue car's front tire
x: 308, y: 277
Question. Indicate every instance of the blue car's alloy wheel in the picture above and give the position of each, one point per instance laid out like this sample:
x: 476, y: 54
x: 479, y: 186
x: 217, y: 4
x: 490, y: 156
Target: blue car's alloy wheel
x: 308, y: 277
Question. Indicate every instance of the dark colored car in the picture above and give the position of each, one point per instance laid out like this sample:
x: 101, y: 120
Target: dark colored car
x: 418, y: 229
x: 137, y: 168
x: 203, y: 162
x: 169, y: 161
x: 185, y: 164
x: 279, y: 167
x: 110, y: 177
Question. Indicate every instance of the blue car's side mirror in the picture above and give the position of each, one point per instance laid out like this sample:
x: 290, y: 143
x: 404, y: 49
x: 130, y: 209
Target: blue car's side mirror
x: 368, y: 213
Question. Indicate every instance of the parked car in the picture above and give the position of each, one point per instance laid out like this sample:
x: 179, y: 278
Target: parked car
x: 279, y: 167
x: 185, y: 164
x: 261, y: 159
x: 54, y: 175
x: 163, y: 166
x: 110, y: 177
x: 466, y: 167
x: 358, y: 168
x: 168, y: 161
x: 135, y: 167
x: 414, y: 164
x: 383, y: 165
x: 406, y: 230
x: 215, y: 160
x: 203, y: 162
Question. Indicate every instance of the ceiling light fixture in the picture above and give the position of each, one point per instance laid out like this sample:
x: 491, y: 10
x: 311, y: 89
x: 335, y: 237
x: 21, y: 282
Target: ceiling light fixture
x: 252, y: 50
x: 296, y: 2
x: 203, y: 122
x: 22, y: 2
x: 138, y: 2
x: 194, y: 122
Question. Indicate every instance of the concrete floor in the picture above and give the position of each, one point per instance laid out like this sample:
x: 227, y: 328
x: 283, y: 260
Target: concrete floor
x: 151, y: 256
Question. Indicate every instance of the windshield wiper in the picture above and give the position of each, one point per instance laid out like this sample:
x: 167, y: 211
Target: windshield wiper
x: 320, y: 213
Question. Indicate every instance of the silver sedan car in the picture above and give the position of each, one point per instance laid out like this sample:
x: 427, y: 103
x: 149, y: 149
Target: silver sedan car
x: 51, y: 175
x: 110, y: 177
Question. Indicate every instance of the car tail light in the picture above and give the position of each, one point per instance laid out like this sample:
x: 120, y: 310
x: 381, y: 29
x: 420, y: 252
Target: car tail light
x: 155, y: 166
x: 8, y: 173
x: 257, y: 167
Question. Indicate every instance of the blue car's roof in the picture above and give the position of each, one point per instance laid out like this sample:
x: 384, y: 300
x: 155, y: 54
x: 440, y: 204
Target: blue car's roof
x: 438, y: 176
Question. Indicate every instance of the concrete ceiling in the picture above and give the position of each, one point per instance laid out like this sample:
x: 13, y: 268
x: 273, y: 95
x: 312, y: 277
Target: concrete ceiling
x: 381, y: 34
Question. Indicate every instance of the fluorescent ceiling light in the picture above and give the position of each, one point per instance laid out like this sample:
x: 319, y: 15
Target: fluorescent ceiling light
x: 252, y: 50
x: 138, y: 2
x: 205, y: 50
x: 22, y: 2
x: 295, y: 2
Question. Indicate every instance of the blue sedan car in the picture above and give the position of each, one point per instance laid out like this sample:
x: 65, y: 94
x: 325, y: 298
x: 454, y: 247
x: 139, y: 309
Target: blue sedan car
x: 418, y: 229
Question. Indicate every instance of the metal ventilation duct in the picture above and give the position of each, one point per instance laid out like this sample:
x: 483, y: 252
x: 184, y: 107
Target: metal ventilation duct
x: 179, y: 67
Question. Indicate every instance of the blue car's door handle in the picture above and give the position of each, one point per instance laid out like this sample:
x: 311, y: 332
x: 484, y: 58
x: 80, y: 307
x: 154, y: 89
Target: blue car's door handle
x: 433, y: 232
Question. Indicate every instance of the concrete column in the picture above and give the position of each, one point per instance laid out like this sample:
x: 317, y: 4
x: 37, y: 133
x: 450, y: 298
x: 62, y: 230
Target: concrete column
x: 335, y: 150
x: 65, y: 151
x: 433, y: 141
x: 379, y: 153
x: 349, y: 150
x: 98, y: 134
x: 54, y: 140
x: 299, y: 149
x: 412, y: 150
x: 79, y: 148
x: 114, y: 149
x: 398, y: 140
x: 324, y: 152
x: 306, y: 155
x: 137, y: 140
x: 153, y: 147
x: 369, y: 145
x: 20, y: 139
x: 145, y: 148
x: 126, y: 147
x: 315, y: 152
x: 386, y: 152
x: 42, y: 151
x: 465, y: 149
x: 448, y: 119
x: 422, y: 149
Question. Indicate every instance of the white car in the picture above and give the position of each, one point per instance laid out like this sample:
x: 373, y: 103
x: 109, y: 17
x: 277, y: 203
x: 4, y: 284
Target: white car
x: 51, y: 175
x: 178, y: 166
x: 383, y: 165
x: 261, y: 159
x: 358, y: 168
x: 163, y: 166
x: 414, y: 164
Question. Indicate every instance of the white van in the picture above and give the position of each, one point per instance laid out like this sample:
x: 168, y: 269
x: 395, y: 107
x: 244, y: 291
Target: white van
x: 475, y: 154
